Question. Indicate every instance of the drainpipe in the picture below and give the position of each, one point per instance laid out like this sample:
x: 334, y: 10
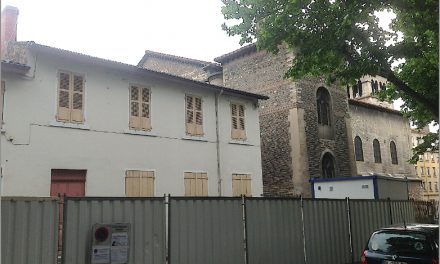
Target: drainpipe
x: 217, y: 143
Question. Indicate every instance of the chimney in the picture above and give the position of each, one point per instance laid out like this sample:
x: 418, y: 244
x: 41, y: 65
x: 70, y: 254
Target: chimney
x: 8, y: 26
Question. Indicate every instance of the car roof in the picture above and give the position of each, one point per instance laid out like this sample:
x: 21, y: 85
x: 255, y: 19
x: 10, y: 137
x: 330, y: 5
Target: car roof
x: 424, y: 228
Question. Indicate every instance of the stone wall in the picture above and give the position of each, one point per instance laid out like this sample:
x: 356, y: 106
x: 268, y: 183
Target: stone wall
x: 175, y: 67
x: 316, y: 147
x: 261, y: 72
x: 291, y: 148
x: 371, y: 123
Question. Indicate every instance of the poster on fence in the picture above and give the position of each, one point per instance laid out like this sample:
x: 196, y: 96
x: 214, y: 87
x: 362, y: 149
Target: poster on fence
x: 110, y: 243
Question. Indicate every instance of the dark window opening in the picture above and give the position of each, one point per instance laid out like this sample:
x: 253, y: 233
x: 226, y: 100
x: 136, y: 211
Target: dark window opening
x: 328, y: 166
x: 359, y: 153
x: 393, y: 152
x: 323, y: 106
x: 376, y: 151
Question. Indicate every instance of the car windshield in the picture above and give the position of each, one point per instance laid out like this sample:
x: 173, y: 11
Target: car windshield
x: 400, y: 242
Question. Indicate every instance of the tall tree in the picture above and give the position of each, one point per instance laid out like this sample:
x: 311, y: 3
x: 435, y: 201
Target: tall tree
x: 342, y: 40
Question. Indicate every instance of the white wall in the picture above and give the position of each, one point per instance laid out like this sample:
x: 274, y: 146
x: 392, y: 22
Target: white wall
x: 355, y: 189
x: 33, y: 143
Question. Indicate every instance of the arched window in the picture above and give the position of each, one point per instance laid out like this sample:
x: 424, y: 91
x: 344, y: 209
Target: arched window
x: 359, y: 153
x: 328, y: 166
x: 393, y: 152
x: 359, y: 84
x: 376, y: 151
x: 323, y: 106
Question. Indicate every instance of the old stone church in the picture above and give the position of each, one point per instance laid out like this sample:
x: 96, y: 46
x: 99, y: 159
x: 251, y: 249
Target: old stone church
x: 308, y: 129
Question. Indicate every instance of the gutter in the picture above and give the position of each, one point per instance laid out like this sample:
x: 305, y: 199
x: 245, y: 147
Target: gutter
x: 217, y: 143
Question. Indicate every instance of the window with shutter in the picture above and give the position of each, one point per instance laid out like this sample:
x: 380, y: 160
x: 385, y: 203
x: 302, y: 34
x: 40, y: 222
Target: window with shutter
x: 241, y: 185
x: 194, y: 115
x: 70, y: 97
x: 140, y: 99
x: 238, y: 122
x: 139, y: 183
x: 196, y: 184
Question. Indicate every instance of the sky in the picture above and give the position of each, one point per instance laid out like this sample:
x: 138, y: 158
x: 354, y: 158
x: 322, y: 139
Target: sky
x: 123, y: 30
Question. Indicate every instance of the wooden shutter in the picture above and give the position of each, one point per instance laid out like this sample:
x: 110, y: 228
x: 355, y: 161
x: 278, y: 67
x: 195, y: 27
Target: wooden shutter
x: 77, y: 113
x: 198, y: 116
x: 194, y: 115
x: 241, y: 185
x: 238, y: 122
x: 135, y: 120
x: 145, y: 109
x: 132, y: 186
x: 63, y: 97
x: 147, y: 184
x: 139, y: 183
x: 70, y: 98
x: 196, y: 184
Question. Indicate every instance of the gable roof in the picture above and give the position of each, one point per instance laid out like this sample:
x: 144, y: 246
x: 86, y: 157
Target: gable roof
x: 79, y: 57
x: 373, y: 106
x: 236, y: 53
x: 150, y: 53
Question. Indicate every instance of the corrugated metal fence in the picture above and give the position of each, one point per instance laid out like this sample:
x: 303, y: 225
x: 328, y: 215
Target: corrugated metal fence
x: 202, y: 230
x: 29, y: 230
x: 145, y: 215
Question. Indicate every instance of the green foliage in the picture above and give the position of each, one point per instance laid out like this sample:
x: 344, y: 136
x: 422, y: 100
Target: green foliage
x: 429, y: 143
x: 342, y: 40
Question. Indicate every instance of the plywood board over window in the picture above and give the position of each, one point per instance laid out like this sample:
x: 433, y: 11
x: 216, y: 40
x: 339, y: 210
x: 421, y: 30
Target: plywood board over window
x: 238, y: 122
x: 139, y: 183
x: 140, y: 101
x: 241, y: 185
x: 70, y: 97
x: 196, y: 184
x: 194, y: 115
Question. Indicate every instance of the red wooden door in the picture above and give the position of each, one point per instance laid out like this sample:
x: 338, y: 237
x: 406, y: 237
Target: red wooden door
x: 70, y: 183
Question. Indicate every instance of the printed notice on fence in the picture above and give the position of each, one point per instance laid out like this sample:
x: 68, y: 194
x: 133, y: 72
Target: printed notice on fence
x: 101, y: 255
x: 119, y: 239
x: 119, y: 248
x: 119, y: 255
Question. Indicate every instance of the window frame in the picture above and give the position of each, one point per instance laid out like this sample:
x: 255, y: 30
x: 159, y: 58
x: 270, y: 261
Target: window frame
x: 243, y: 182
x: 194, y: 129
x: 139, y: 123
x: 201, y: 180
x: 238, y: 133
x: 142, y: 174
x: 75, y: 116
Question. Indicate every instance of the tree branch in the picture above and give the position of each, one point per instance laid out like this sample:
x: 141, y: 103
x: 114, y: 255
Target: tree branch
x: 430, y: 105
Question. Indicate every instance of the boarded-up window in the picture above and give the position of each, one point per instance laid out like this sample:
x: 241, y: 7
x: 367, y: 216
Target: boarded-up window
x: 241, y: 185
x: 238, y: 122
x: 139, y: 183
x: 70, y: 97
x: 194, y: 115
x: 196, y: 184
x: 140, y: 99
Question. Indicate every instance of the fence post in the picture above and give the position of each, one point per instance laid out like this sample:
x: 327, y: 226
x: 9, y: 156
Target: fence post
x: 167, y: 226
x: 390, y: 211
x: 349, y: 228
x: 303, y: 231
x: 245, y: 246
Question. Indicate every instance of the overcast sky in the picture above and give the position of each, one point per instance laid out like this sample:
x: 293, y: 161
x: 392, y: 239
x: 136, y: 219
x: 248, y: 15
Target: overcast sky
x: 123, y: 30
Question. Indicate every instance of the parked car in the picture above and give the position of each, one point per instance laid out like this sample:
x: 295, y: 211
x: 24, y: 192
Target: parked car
x: 403, y: 244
